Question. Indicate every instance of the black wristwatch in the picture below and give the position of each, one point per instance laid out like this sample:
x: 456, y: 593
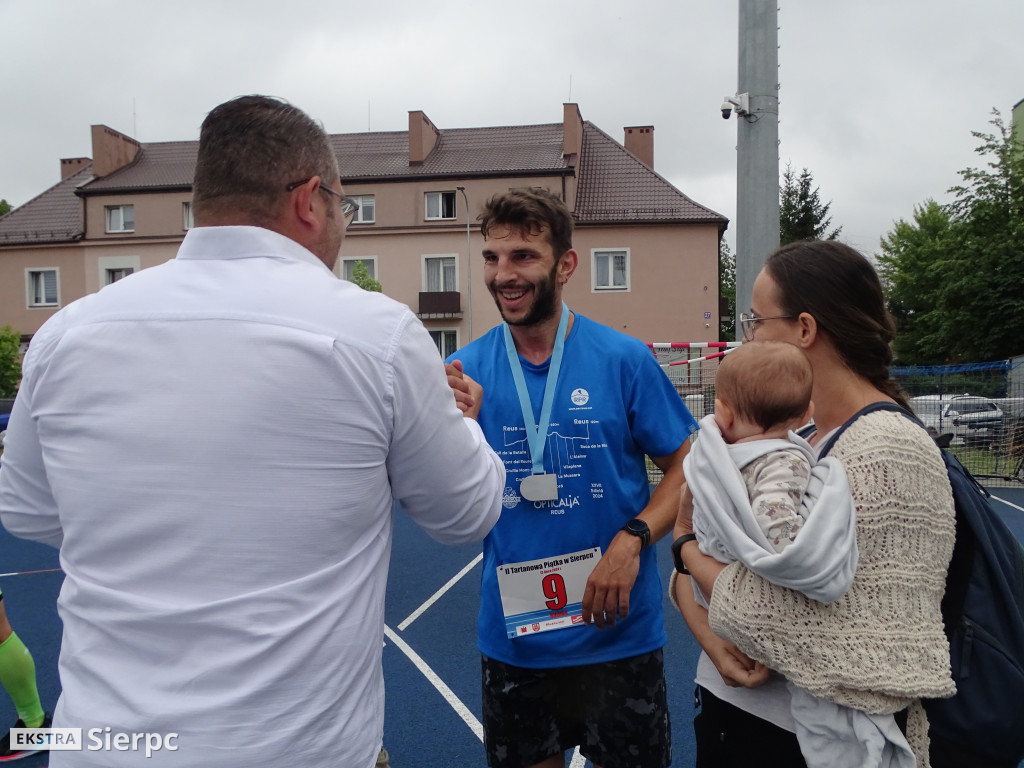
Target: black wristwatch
x: 638, y: 528
x: 677, y: 548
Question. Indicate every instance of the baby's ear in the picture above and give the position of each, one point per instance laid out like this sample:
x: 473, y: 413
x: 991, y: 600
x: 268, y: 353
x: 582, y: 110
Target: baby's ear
x: 724, y: 415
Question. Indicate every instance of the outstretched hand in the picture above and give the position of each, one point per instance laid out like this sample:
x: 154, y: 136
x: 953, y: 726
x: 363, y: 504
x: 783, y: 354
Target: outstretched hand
x: 468, y: 393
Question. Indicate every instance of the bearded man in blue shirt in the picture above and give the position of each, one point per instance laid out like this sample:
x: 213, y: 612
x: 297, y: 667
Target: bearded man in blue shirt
x: 570, y: 625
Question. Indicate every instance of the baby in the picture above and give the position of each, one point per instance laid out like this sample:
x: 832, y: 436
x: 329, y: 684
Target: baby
x: 764, y: 393
x: 756, y: 484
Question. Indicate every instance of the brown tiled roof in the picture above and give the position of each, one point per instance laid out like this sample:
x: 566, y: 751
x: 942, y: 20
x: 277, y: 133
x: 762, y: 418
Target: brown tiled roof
x: 459, y: 152
x: 55, y: 216
x: 161, y: 166
x: 615, y: 187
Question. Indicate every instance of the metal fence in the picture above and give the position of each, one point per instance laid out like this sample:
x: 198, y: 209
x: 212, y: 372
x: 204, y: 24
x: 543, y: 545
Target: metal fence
x: 976, y: 409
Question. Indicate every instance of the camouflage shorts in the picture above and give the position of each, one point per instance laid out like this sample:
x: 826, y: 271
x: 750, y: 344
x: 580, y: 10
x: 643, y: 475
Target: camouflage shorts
x: 617, y: 712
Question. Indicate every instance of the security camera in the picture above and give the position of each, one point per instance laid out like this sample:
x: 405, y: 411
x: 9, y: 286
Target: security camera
x: 740, y: 105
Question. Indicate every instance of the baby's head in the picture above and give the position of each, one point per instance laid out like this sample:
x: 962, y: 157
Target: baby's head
x: 763, y: 389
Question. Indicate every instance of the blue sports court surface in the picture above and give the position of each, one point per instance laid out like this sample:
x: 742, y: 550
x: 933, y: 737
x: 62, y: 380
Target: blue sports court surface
x: 431, y: 665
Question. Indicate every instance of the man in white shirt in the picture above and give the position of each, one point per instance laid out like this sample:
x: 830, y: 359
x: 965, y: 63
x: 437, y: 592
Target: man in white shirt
x: 215, y: 444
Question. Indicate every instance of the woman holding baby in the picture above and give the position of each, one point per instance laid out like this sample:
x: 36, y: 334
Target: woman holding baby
x: 880, y: 647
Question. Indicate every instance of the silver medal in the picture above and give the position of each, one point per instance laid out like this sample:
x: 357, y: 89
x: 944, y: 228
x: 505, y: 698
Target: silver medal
x: 539, y: 487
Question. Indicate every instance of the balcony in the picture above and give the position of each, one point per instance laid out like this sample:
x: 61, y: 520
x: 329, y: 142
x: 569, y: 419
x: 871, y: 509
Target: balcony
x: 440, y: 305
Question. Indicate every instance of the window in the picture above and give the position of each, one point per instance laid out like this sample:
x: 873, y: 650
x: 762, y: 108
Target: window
x: 447, y: 342
x: 367, y: 213
x: 113, y: 275
x: 42, y: 287
x: 440, y: 205
x: 439, y: 273
x: 186, y: 210
x: 611, y: 269
x: 347, y: 265
x: 114, y: 268
x: 120, y: 218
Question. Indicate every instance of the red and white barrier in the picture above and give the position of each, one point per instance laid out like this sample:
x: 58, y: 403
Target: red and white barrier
x: 726, y: 346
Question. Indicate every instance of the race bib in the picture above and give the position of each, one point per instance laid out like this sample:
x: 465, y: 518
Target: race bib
x: 546, y: 594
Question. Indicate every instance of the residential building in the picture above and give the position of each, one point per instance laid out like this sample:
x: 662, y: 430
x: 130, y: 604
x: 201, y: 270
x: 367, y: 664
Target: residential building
x: 648, y: 253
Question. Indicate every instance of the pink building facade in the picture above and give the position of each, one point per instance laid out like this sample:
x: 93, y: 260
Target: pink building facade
x: 648, y: 253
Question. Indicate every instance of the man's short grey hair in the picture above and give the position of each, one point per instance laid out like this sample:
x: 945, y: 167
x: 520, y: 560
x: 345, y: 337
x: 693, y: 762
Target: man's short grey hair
x: 250, y: 149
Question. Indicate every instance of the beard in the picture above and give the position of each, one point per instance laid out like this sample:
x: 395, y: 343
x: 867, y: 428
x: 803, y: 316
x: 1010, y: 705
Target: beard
x: 545, y: 302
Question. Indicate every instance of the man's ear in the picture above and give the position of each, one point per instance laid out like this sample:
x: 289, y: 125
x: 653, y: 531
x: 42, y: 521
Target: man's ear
x: 567, y: 264
x: 302, y: 204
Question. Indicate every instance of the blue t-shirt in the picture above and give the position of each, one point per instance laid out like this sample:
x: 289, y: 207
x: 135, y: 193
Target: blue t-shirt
x: 612, y: 406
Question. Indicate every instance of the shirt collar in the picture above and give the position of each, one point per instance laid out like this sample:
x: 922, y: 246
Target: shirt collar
x: 243, y: 243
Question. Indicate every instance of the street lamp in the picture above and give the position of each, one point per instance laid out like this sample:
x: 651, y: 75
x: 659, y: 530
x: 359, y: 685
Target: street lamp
x: 469, y: 268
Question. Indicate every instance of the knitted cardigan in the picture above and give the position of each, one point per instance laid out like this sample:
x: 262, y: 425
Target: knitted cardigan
x: 881, y: 646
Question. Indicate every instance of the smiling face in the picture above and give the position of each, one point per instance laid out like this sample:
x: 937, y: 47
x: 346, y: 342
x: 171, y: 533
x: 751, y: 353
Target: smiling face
x: 523, y: 275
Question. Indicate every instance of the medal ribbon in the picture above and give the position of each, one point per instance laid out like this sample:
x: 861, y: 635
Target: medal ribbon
x: 536, y: 434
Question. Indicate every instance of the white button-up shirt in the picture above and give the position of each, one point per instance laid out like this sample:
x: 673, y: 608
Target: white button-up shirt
x: 215, y: 445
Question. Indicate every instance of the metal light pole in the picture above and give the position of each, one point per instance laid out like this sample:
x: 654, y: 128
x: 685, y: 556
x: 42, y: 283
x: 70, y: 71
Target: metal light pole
x: 469, y: 268
x: 757, y: 145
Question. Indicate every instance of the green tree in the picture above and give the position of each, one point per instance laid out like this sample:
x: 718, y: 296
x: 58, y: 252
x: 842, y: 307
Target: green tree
x: 10, y: 361
x: 726, y: 293
x: 5, y: 207
x: 361, y: 277
x: 914, y: 269
x: 953, y: 276
x: 802, y: 215
x: 985, y: 300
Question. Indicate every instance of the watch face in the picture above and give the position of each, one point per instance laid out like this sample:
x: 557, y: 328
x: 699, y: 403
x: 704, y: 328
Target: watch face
x: 639, y: 529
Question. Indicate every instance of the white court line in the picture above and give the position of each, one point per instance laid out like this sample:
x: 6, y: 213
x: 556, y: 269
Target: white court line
x: 1007, y: 503
x: 26, y: 573
x: 436, y: 596
x: 438, y: 683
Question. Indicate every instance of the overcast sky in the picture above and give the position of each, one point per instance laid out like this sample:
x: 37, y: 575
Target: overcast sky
x: 878, y: 98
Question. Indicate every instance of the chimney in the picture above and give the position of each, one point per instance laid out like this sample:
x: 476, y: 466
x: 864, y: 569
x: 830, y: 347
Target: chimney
x: 72, y: 165
x: 423, y: 135
x: 640, y: 141
x: 112, y: 150
x: 572, y: 132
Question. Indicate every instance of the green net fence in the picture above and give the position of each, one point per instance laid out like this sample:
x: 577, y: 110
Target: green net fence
x: 976, y: 409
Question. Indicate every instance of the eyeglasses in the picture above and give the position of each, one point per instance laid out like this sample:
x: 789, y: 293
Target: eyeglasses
x: 749, y: 323
x: 348, y: 205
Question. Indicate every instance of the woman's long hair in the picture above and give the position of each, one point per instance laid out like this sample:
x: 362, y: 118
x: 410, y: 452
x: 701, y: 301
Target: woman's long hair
x: 839, y: 288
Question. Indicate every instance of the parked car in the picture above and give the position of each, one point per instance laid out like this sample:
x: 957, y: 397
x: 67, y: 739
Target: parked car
x: 971, y: 419
x: 1012, y: 407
